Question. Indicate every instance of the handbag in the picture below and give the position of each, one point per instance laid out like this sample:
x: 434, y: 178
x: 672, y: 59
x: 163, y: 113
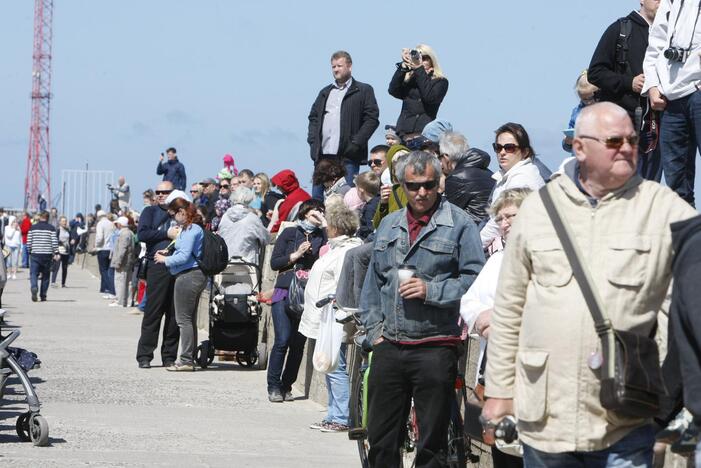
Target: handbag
x: 631, y: 380
x: 295, y: 298
x: 328, y: 347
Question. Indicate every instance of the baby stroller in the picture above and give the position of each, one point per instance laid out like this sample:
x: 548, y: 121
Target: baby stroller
x: 30, y: 425
x: 234, y: 315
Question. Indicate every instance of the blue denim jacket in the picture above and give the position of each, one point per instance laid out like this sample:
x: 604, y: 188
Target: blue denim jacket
x: 447, y: 255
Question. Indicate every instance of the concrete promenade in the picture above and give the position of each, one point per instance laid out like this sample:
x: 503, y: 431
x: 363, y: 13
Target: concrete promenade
x: 104, y: 411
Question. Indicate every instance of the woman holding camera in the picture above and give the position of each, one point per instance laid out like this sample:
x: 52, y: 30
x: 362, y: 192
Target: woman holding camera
x: 420, y: 84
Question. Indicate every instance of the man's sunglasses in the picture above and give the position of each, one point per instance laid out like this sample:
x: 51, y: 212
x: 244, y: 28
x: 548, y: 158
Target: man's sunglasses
x: 416, y: 186
x: 615, y: 142
x: 375, y: 162
x: 509, y: 147
x: 194, y: 191
x: 163, y: 192
x: 224, y: 186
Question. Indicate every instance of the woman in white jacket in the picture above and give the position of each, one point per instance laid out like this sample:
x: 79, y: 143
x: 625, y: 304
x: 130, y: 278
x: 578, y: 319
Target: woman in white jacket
x: 13, y: 241
x: 342, y: 223
x: 516, y: 170
x: 478, y: 302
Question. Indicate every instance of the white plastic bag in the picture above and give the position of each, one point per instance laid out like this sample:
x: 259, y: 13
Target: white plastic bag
x: 328, y: 346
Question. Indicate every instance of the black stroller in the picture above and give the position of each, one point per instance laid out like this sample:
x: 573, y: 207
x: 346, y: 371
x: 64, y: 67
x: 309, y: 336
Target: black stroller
x: 234, y: 315
x: 30, y: 425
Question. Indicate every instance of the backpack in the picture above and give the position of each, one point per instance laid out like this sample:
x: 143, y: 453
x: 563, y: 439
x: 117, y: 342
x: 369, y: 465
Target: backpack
x: 215, y: 255
x: 622, y: 44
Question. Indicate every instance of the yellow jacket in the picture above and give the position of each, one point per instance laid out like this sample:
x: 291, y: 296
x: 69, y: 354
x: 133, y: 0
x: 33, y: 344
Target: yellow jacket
x: 542, y: 333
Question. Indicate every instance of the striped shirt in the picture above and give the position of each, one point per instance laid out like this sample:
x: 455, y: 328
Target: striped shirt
x: 42, y: 239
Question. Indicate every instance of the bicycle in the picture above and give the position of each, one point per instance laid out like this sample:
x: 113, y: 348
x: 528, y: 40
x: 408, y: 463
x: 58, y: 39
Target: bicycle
x: 360, y: 363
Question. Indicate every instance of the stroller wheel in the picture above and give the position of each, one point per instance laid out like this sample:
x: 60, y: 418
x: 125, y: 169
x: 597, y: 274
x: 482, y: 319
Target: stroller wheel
x: 22, y: 427
x: 210, y: 355
x: 262, y: 356
x: 39, y: 430
x: 202, y: 357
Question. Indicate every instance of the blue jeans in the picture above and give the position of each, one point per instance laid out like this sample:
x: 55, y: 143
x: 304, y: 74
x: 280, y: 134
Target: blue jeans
x: 338, y: 387
x: 40, y: 265
x: 680, y: 137
x: 352, y: 169
x: 25, y: 256
x: 106, y: 273
x: 288, y: 343
x: 632, y: 451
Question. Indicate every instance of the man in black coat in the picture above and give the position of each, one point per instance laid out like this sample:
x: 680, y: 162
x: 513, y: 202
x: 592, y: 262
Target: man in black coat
x: 342, y: 120
x: 617, y: 69
x: 155, y: 231
x: 682, y: 366
x: 468, y: 182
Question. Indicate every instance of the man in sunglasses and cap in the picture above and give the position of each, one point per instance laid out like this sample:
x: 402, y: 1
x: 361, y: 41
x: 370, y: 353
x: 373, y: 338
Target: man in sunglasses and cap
x: 155, y: 229
x: 425, y: 256
x: 544, y: 359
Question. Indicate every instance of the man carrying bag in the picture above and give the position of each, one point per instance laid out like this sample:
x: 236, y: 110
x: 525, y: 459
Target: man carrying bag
x: 555, y: 357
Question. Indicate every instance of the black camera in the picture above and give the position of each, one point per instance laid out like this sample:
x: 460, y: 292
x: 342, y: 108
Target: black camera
x: 415, y: 55
x: 676, y: 54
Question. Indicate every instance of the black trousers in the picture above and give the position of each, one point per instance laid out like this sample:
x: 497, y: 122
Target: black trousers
x: 63, y: 264
x: 398, y: 373
x: 159, y: 290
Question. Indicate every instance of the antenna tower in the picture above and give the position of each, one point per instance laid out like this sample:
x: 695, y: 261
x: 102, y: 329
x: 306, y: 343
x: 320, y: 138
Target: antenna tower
x: 37, y: 184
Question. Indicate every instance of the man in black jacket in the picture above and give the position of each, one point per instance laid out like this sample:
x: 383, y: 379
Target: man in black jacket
x: 617, y: 69
x: 342, y: 120
x: 682, y: 367
x: 468, y: 182
x: 155, y: 231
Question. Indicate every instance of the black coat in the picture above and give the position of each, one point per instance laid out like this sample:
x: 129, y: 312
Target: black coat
x: 287, y: 242
x: 366, y: 227
x: 421, y: 97
x: 359, y: 120
x: 682, y: 366
x: 617, y: 85
x: 153, y: 229
x: 470, y: 185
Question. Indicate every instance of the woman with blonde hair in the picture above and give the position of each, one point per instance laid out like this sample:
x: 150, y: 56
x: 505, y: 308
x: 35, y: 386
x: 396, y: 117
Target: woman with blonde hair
x: 421, y: 85
x: 268, y: 199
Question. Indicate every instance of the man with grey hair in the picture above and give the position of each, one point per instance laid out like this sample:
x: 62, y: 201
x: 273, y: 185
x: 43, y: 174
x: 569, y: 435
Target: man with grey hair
x: 241, y: 229
x: 342, y: 120
x: 425, y: 256
x: 468, y: 181
x: 544, y: 356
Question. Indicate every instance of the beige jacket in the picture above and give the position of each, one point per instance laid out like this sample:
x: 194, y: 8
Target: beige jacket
x: 542, y: 332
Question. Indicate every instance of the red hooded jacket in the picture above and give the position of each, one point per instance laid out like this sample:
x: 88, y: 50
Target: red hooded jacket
x: 287, y: 181
x: 24, y: 227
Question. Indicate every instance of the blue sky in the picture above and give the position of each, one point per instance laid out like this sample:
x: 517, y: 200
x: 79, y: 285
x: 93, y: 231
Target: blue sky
x: 132, y: 78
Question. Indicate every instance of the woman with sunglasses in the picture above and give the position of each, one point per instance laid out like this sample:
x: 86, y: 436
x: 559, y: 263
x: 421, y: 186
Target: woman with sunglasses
x: 189, y: 279
x: 517, y: 169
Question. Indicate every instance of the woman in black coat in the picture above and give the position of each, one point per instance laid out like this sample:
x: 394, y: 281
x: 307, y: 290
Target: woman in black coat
x: 420, y: 84
x: 295, y: 248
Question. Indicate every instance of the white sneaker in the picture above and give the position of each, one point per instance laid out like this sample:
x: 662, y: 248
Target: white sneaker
x: 114, y: 304
x: 14, y: 276
x: 108, y: 296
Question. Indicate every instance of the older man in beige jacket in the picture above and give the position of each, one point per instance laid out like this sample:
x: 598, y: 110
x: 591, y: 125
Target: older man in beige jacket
x: 542, y: 333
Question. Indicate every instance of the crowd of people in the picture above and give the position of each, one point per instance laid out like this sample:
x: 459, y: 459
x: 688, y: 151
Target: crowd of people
x: 481, y: 253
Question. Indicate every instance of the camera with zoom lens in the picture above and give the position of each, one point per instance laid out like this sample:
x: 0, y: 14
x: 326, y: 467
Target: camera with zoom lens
x: 415, y: 55
x: 676, y: 54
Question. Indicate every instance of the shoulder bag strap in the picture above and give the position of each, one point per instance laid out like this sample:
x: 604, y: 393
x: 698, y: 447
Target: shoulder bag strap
x: 601, y: 322
x: 396, y: 198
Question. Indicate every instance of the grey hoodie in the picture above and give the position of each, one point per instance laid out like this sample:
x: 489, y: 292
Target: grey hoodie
x: 243, y: 233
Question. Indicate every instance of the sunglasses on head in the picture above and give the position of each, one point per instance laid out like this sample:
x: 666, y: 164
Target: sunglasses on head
x: 375, y: 162
x: 416, y: 186
x: 163, y: 192
x: 615, y: 142
x: 509, y: 147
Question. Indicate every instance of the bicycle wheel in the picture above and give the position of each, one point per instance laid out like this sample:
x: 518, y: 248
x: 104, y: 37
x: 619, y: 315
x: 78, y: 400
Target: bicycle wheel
x: 357, y: 409
x: 457, y: 456
x: 407, y: 450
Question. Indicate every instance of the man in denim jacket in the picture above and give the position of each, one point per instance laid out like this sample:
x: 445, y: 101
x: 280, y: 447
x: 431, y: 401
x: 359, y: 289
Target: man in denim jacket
x: 414, y: 326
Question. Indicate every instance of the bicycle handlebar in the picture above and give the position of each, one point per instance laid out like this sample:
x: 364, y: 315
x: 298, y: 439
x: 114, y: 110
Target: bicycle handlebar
x: 325, y: 301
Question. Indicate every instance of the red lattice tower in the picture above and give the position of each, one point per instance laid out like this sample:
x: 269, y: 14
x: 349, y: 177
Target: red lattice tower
x: 38, y: 181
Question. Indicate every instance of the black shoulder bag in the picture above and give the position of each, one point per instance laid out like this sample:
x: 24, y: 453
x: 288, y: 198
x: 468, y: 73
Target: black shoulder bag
x: 631, y: 381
